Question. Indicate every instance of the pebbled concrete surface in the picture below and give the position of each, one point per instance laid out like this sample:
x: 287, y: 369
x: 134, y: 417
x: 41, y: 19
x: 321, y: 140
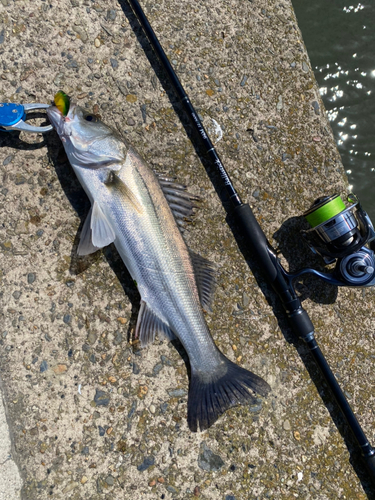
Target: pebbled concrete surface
x: 10, y: 479
x: 91, y: 415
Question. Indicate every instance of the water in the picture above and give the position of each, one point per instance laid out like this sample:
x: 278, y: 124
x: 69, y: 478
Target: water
x: 340, y: 40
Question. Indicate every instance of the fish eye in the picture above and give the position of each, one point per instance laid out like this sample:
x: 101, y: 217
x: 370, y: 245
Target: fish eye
x: 90, y: 117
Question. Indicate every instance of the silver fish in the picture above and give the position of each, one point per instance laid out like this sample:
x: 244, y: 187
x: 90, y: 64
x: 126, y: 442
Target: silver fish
x: 130, y: 209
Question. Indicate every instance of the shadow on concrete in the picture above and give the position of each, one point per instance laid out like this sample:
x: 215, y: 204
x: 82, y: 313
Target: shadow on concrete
x: 317, y: 290
x: 12, y: 138
x: 298, y: 255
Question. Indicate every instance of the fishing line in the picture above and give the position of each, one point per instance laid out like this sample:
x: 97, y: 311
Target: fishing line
x: 324, y: 210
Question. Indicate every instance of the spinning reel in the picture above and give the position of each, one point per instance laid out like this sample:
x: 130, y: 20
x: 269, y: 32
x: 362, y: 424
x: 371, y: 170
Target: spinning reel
x: 340, y: 234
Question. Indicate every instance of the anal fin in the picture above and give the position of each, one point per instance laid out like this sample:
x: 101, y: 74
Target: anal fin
x: 149, y: 324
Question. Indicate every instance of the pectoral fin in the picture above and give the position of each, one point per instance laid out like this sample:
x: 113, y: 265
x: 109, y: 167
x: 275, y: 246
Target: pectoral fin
x: 119, y: 188
x: 96, y: 232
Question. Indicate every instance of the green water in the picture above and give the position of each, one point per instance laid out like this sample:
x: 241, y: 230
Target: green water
x: 340, y: 40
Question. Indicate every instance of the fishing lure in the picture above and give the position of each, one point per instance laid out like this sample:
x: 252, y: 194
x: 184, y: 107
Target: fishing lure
x: 62, y: 102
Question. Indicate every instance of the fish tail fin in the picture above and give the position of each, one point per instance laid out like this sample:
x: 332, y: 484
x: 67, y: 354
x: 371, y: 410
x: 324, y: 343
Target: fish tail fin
x: 212, y: 393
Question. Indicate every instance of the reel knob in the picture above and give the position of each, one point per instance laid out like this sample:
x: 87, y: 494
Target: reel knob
x: 361, y: 268
x: 358, y: 268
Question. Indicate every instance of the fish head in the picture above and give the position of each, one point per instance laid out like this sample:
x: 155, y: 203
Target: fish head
x: 88, y: 142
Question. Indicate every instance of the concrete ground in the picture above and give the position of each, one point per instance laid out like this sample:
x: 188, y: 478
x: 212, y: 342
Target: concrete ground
x: 93, y: 416
x: 10, y: 479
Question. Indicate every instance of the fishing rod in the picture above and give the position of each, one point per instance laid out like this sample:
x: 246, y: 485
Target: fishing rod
x: 338, y: 234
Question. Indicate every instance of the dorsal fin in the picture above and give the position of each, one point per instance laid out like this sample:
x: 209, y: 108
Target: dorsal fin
x: 148, y: 325
x: 182, y: 205
x: 205, y: 277
x: 180, y: 201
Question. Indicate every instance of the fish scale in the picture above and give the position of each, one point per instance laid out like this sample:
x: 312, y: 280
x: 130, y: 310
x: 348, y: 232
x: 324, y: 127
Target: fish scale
x: 130, y: 209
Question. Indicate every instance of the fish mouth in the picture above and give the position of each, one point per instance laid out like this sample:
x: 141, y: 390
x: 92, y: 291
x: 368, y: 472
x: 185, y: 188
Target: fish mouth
x: 59, y: 121
x: 56, y: 118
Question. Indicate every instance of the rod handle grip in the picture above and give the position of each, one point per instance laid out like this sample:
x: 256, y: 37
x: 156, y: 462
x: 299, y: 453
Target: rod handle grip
x: 369, y: 461
x: 255, y: 239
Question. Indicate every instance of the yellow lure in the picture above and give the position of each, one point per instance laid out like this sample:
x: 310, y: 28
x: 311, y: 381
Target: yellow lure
x: 62, y: 102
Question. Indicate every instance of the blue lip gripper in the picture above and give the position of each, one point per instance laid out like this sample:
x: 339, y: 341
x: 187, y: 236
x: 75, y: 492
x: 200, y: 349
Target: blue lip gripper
x: 13, y: 116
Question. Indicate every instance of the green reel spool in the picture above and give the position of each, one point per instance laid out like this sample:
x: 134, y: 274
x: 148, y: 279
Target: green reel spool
x: 324, y: 209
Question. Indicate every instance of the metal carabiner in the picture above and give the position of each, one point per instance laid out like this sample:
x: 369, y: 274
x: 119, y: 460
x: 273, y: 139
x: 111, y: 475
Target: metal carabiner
x: 13, y: 116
